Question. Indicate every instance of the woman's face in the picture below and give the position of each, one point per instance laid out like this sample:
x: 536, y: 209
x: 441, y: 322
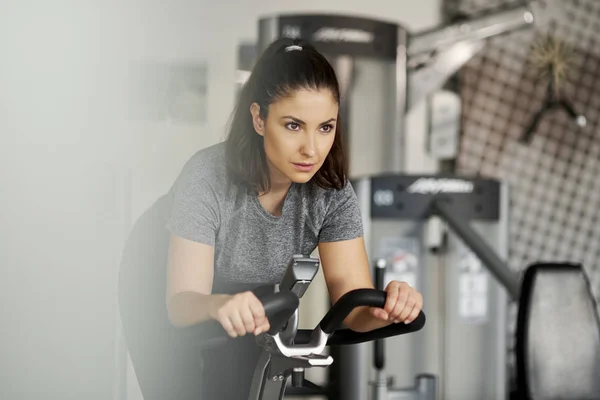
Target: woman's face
x: 298, y: 134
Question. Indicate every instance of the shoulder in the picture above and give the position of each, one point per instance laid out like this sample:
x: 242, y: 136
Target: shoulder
x: 206, y: 166
x: 207, y: 162
x: 338, y: 213
x: 334, y: 195
x: 328, y: 200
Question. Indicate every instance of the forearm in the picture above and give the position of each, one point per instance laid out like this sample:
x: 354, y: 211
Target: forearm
x: 361, y: 320
x: 191, y: 308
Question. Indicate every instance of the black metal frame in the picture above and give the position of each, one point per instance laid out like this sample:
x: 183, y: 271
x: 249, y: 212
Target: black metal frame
x: 276, y: 364
x: 482, y: 250
x: 270, y: 376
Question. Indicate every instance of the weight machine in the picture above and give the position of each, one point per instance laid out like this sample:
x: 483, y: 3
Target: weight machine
x: 462, y: 220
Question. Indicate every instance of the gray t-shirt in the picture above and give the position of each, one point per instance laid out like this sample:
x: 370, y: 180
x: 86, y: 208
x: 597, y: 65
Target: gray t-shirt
x: 252, y: 245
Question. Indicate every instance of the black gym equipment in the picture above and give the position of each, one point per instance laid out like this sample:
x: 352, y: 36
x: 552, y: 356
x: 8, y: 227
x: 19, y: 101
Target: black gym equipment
x: 558, y: 335
x: 279, y: 361
x: 558, y: 328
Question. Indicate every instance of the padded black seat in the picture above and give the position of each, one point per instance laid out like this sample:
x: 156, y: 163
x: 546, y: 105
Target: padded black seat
x: 558, y: 335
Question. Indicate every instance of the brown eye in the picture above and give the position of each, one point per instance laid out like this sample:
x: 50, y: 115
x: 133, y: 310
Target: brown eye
x: 327, y: 128
x: 292, y: 126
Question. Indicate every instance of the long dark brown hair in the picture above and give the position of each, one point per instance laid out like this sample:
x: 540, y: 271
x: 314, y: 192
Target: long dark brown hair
x: 277, y: 74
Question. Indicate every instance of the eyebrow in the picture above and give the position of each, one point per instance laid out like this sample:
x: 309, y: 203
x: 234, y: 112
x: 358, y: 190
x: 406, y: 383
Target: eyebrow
x: 299, y: 121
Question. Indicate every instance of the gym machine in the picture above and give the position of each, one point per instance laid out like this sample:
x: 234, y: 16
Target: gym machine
x: 287, y: 351
x: 447, y: 235
x: 465, y: 345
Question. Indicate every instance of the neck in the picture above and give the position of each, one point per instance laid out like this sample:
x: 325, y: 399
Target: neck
x: 279, y: 182
x: 272, y: 201
x: 277, y: 188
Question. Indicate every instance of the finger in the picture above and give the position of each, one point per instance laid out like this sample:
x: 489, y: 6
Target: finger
x: 413, y: 315
x: 228, y: 327
x: 258, y: 311
x: 391, y: 298
x: 416, y: 310
x: 261, y: 321
x: 262, y: 328
x: 379, y: 313
x: 237, y: 322
x: 247, y: 318
x: 400, y: 302
x: 410, y: 305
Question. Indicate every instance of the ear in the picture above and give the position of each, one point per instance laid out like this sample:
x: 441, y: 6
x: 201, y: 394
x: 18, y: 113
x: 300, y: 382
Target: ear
x: 257, y: 121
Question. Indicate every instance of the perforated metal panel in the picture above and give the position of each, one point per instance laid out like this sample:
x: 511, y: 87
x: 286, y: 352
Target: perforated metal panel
x: 555, y: 179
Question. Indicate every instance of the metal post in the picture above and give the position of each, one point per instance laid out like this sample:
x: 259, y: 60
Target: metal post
x: 481, y: 249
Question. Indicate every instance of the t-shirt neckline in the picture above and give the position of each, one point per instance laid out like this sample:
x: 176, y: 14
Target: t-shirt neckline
x: 286, y: 205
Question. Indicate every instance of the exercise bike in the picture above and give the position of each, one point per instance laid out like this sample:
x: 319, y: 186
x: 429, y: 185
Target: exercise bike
x: 286, y: 351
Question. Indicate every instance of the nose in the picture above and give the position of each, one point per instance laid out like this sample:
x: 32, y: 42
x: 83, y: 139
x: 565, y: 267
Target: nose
x: 309, y: 147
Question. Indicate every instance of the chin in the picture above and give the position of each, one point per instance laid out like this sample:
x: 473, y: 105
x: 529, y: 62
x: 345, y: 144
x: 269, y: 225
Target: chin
x: 301, y: 178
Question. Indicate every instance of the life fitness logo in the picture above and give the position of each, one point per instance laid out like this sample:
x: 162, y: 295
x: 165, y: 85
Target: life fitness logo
x: 331, y: 34
x: 434, y: 186
x: 385, y: 197
x: 348, y: 35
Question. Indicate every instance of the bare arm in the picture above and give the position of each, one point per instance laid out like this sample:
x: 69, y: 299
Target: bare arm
x: 189, y: 299
x: 346, y: 267
x: 189, y: 283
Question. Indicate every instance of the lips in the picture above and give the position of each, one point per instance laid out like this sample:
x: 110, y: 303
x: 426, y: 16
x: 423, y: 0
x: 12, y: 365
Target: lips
x: 304, y: 167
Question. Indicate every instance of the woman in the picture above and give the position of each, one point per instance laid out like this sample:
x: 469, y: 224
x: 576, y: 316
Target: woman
x: 276, y: 187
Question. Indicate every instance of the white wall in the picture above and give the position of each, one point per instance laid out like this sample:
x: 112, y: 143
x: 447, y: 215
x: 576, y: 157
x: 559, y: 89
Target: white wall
x: 74, y: 173
x: 62, y: 196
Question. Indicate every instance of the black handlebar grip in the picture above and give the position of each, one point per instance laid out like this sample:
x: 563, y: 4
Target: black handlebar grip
x: 279, y: 307
x: 348, y: 302
x: 344, y: 337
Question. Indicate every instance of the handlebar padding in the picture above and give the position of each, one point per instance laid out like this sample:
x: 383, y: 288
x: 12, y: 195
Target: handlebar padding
x: 279, y: 307
x: 343, y: 337
x: 348, y: 302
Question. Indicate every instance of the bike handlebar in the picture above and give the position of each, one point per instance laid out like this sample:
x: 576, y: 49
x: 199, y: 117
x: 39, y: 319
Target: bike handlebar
x: 279, y: 307
x: 348, y: 302
x: 360, y: 298
x: 344, y: 337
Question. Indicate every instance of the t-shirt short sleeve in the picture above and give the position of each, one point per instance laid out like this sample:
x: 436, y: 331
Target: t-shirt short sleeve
x: 343, y: 219
x: 194, y: 215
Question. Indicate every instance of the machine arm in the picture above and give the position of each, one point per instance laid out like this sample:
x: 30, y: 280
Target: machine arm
x: 481, y: 249
x: 434, y: 55
x: 480, y: 28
